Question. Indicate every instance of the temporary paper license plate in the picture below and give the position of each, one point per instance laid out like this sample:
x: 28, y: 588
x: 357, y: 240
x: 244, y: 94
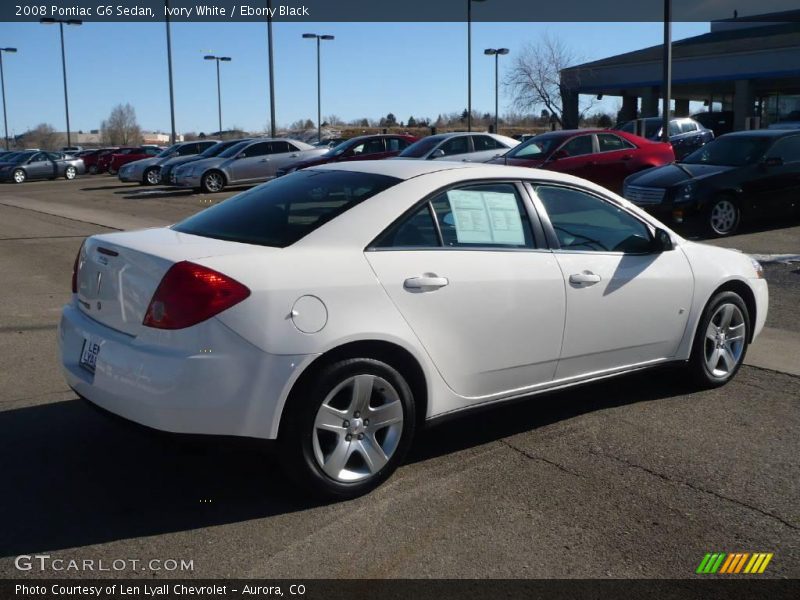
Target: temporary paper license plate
x: 89, y: 354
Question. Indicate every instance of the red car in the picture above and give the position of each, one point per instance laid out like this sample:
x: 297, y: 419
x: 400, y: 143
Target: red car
x: 129, y: 154
x: 91, y: 157
x: 602, y: 156
x: 365, y: 147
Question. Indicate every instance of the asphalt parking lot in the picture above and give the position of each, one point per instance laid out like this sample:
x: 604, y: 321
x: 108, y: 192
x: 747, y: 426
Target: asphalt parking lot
x: 635, y: 477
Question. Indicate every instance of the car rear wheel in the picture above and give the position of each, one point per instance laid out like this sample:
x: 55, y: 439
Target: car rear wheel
x: 93, y: 170
x: 348, y: 429
x: 19, y: 176
x: 70, y: 173
x: 152, y: 176
x: 112, y: 170
x: 723, y: 216
x: 721, y: 340
x: 213, y: 182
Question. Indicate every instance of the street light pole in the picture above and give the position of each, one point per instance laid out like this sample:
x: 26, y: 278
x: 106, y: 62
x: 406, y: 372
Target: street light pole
x: 169, y: 69
x: 271, y: 72
x: 496, y: 52
x: 469, y: 63
x: 61, y: 23
x: 219, y: 86
x: 3, y: 85
x: 319, y: 38
x: 666, y: 85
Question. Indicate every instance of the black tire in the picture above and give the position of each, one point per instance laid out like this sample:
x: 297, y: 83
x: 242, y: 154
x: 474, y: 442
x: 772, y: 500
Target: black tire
x: 93, y: 170
x: 213, y: 182
x: 699, y: 361
x: 723, y: 215
x: 146, y: 176
x: 111, y: 171
x: 296, y: 438
x: 19, y: 176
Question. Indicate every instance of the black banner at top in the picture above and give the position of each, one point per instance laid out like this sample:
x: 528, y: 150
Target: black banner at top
x: 397, y: 10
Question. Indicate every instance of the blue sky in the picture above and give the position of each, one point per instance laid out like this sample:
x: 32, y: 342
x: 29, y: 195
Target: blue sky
x: 370, y: 69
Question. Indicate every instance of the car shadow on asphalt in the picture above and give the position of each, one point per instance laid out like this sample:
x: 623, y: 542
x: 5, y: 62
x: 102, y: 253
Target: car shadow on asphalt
x: 154, y: 193
x: 481, y: 426
x: 119, y: 186
x: 76, y: 476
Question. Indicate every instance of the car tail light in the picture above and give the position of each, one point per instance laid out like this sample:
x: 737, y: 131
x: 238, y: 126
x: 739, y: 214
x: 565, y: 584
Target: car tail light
x: 189, y: 294
x: 75, y: 270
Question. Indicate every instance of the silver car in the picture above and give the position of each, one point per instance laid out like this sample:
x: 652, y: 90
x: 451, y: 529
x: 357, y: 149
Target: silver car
x: 148, y: 170
x: 169, y: 167
x: 463, y: 146
x: 252, y: 161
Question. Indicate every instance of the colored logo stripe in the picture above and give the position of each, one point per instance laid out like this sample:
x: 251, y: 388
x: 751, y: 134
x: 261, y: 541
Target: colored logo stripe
x: 733, y: 563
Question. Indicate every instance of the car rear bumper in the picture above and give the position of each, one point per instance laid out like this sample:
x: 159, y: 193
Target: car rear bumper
x: 222, y: 386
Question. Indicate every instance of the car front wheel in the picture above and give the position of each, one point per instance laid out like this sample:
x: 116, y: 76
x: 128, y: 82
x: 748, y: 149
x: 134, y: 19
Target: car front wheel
x: 19, y: 176
x: 347, y: 430
x: 70, y: 173
x: 723, y: 216
x: 152, y: 177
x: 213, y: 182
x: 721, y: 340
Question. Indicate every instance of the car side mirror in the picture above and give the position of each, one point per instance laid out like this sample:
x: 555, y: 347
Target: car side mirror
x: 773, y: 161
x: 438, y: 153
x: 662, y: 241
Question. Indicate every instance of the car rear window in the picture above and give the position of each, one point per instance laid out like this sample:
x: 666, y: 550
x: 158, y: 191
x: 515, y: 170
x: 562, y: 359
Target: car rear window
x: 283, y: 211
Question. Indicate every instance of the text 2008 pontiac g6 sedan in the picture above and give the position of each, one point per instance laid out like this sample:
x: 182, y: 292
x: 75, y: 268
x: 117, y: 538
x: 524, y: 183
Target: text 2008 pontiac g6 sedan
x: 338, y: 308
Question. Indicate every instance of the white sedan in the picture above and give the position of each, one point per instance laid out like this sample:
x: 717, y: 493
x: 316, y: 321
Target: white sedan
x: 339, y: 308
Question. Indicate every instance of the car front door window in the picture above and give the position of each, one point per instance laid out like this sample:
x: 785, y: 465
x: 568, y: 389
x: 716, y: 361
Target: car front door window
x: 456, y: 145
x: 586, y: 223
x: 578, y: 146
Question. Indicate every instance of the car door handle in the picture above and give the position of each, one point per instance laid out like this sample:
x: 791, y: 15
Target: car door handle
x: 428, y: 281
x: 264, y: 160
x: 587, y: 278
x: 627, y: 157
x: 294, y: 155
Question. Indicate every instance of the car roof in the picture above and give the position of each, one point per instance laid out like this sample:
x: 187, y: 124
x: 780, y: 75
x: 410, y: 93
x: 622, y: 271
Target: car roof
x: 408, y: 169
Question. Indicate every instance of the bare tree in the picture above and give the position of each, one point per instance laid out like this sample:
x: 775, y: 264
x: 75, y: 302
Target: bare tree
x: 121, y: 127
x: 43, y: 136
x: 534, y: 80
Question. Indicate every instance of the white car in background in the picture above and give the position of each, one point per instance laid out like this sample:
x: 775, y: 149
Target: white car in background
x: 460, y: 146
x: 339, y: 308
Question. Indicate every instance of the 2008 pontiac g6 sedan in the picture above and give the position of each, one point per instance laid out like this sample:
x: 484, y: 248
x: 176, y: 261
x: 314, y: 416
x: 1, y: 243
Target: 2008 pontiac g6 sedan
x: 339, y: 308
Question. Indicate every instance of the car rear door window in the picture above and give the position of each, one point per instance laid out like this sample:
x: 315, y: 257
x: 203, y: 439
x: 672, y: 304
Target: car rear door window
x: 396, y: 144
x: 586, y: 223
x: 608, y: 142
x: 417, y: 230
x: 279, y: 147
x: 485, y: 142
x: 486, y: 215
x: 688, y: 127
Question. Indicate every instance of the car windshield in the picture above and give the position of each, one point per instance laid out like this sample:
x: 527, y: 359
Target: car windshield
x: 539, y: 146
x: 168, y: 151
x: 339, y: 148
x: 287, y: 209
x: 233, y: 150
x: 421, y: 148
x: 733, y: 151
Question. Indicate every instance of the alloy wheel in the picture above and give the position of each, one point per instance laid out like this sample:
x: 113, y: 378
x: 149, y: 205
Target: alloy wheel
x: 724, y: 216
x: 214, y: 182
x: 19, y: 176
x: 70, y: 173
x: 357, y: 428
x: 724, y: 341
x: 153, y: 176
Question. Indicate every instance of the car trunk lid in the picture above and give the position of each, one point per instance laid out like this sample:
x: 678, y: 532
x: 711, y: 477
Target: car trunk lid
x: 118, y: 273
